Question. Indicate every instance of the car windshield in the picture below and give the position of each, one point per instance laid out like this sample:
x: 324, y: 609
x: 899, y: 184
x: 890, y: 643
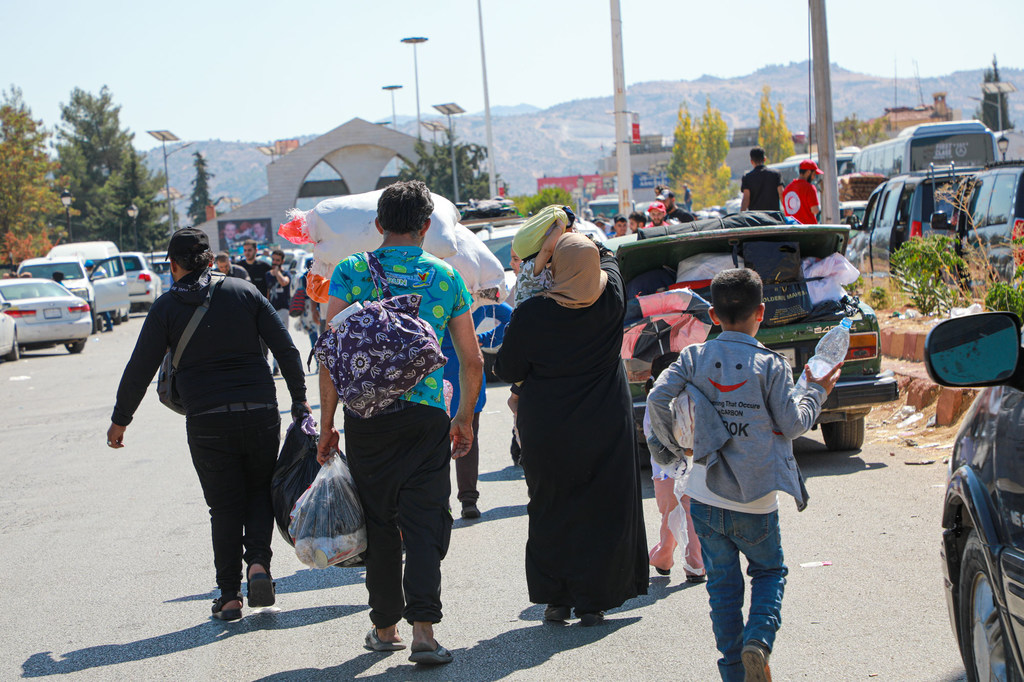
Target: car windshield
x: 70, y: 270
x: 502, y: 248
x: 18, y: 291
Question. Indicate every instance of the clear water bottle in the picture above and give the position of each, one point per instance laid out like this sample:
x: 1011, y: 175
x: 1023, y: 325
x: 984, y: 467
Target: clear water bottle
x: 830, y: 351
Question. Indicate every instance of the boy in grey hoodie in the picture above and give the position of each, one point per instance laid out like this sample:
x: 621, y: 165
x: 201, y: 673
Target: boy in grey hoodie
x: 746, y: 417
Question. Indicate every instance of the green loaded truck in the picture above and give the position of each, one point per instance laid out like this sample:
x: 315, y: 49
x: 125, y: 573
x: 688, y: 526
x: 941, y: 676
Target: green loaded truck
x: 862, y: 384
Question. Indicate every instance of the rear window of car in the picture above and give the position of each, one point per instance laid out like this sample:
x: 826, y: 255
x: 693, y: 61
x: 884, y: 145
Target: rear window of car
x: 132, y: 263
x: 160, y: 267
x: 1001, y: 204
x: 23, y: 290
x: 46, y: 270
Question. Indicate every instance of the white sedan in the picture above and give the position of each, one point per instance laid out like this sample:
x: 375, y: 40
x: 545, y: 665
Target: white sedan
x: 45, y: 314
x: 8, y: 338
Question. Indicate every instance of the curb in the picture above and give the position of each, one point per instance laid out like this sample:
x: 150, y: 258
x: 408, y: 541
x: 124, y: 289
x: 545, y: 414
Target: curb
x: 903, y: 353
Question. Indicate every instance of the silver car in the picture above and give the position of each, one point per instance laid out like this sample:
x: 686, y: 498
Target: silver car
x: 144, y: 285
x: 45, y: 314
x: 8, y: 338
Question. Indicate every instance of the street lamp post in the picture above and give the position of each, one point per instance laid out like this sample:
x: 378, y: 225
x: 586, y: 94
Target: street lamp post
x: 449, y: 110
x: 133, y: 213
x: 492, y: 173
x: 392, y: 88
x: 434, y: 127
x: 166, y: 136
x: 66, y: 199
x: 414, y: 41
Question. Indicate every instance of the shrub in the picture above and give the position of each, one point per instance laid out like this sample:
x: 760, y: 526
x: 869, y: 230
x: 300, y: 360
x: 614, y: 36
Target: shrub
x: 929, y: 271
x: 878, y: 298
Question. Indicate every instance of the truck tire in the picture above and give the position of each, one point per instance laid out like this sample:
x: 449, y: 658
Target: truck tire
x: 847, y: 435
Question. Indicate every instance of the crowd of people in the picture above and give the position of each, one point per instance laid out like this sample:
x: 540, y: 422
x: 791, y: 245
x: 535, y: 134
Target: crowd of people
x: 586, y: 551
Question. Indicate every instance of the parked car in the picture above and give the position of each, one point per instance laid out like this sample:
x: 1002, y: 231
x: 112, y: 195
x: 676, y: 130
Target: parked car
x: 899, y: 209
x: 862, y: 384
x: 994, y: 216
x: 94, y: 251
x: 108, y: 293
x: 159, y: 264
x: 46, y: 314
x: 144, y: 285
x: 9, y: 350
x: 982, y: 545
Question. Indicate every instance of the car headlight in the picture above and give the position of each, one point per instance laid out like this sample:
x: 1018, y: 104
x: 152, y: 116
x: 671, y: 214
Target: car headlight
x: 81, y: 293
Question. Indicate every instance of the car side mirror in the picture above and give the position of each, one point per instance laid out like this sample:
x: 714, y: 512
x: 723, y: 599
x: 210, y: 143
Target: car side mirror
x: 940, y: 221
x: 975, y: 350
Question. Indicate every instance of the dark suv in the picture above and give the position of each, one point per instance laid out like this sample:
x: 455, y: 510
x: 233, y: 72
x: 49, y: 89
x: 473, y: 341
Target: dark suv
x: 983, y: 512
x: 994, y: 215
x: 899, y: 209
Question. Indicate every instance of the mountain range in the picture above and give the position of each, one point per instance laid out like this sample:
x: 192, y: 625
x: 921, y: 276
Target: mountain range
x: 571, y: 137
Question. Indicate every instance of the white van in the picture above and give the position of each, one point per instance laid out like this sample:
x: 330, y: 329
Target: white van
x: 94, y: 251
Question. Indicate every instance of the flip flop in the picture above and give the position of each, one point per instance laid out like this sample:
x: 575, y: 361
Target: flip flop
x: 375, y: 643
x: 438, y: 656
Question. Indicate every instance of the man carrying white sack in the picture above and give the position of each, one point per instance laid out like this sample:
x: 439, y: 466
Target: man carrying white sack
x: 400, y: 457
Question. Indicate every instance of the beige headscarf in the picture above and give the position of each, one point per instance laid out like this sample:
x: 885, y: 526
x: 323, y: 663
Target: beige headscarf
x: 576, y: 269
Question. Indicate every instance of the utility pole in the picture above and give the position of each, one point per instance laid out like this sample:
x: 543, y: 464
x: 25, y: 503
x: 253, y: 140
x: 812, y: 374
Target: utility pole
x: 823, y: 110
x: 487, y: 110
x: 622, y: 137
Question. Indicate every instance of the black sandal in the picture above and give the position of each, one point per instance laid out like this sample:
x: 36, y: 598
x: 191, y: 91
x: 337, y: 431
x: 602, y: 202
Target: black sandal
x: 220, y: 613
x: 261, y: 590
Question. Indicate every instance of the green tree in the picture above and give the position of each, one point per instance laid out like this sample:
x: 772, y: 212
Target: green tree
x: 685, y: 150
x: 133, y: 184
x: 92, y: 147
x: 200, y: 191
x: 528, y: 204
x: 993, y: 111
x: 434, y: 167
x: 26, y: 171
x: 772, y: 133
x: 853, y: 131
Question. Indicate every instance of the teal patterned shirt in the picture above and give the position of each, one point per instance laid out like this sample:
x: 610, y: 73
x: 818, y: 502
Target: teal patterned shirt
x: 409, y: 271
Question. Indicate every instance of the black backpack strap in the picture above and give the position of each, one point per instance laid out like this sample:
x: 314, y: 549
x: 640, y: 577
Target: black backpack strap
x: 193, y: 323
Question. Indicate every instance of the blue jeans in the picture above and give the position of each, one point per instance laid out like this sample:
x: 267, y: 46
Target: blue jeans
x: 723, y: 536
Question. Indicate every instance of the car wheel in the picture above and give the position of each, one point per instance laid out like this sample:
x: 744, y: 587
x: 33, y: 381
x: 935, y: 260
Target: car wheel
x: 97, y: 324
x: 127, y: 315
x: 986, y: 652
x: 115, y: 316
x: 15, y: 351
x: 76, y: 347
x: 846, y: 435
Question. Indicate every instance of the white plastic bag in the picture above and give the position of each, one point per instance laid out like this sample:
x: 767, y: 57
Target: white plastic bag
x: 834, y: 271
x: 704, y: 266
x: 480, y: 269
x: 327, y: 522
x: 682, y: 420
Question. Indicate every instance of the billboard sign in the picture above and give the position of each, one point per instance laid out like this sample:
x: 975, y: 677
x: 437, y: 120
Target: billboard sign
x: 232, y: 233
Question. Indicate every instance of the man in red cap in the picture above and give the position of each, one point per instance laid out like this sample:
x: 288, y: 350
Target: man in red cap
x: 800, y: 198
x: 657, y: 212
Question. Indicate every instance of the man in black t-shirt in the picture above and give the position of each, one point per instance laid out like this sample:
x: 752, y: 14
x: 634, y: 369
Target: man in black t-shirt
x: 762, y: 187
x: 672, y: 211
x: 278, y: 283
x: 257, y: 269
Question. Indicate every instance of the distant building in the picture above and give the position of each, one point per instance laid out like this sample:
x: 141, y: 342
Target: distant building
x: 588, y: 186
x: 898, y: 118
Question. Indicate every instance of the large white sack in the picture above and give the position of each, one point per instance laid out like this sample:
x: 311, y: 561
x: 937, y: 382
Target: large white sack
x: 343, y: 226
x: 480, y: 269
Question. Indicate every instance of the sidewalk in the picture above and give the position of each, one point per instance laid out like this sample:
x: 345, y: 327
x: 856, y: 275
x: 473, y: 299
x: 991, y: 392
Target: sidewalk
x: 903, y: 353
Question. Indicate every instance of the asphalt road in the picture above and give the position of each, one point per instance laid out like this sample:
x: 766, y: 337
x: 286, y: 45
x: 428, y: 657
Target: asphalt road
x: 107, y: 568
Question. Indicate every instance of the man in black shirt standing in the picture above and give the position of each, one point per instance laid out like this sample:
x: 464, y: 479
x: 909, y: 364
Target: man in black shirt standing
x: 224, y: 264
x: 279, y: 290
x: 672, y: 211
x: 762, y: 187
x: 230, y: 399
x: 257, y: 269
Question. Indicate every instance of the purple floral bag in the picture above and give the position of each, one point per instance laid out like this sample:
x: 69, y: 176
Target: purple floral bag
x: 380, y: 351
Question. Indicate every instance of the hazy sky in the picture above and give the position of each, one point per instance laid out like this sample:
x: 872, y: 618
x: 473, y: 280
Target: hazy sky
x: 260, y: 70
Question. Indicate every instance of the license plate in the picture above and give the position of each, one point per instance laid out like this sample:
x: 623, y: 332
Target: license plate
x: 790, y: 355
x: 51, y: 313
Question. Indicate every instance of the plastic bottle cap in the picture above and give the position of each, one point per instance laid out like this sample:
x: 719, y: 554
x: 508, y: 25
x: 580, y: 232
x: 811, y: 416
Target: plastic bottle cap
x: 847, y: 322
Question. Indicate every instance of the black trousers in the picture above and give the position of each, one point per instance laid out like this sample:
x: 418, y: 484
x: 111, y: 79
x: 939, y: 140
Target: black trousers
x: 467, y: 467
x: 401, y: 466
x: 234, y: 454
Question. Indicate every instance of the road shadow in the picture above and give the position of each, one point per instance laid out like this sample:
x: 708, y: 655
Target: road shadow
x: 816, y: 460
x: 488, y: 660
x: 45, y: 663
x: 658, y: 589
x: 302, y: 581
x: 495, y: 514
x: 509, y: 473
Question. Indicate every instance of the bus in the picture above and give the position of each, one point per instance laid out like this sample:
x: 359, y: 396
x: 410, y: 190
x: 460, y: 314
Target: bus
x: 964, y: 144
x: 790, y: 168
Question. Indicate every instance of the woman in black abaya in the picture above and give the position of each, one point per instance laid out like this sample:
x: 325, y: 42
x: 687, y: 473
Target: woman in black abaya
x: 586, y: 549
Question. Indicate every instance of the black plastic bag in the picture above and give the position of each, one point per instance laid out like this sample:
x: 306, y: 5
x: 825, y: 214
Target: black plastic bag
x: 295, y: 470
x: 775, y: 262
x: 785, y: 303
